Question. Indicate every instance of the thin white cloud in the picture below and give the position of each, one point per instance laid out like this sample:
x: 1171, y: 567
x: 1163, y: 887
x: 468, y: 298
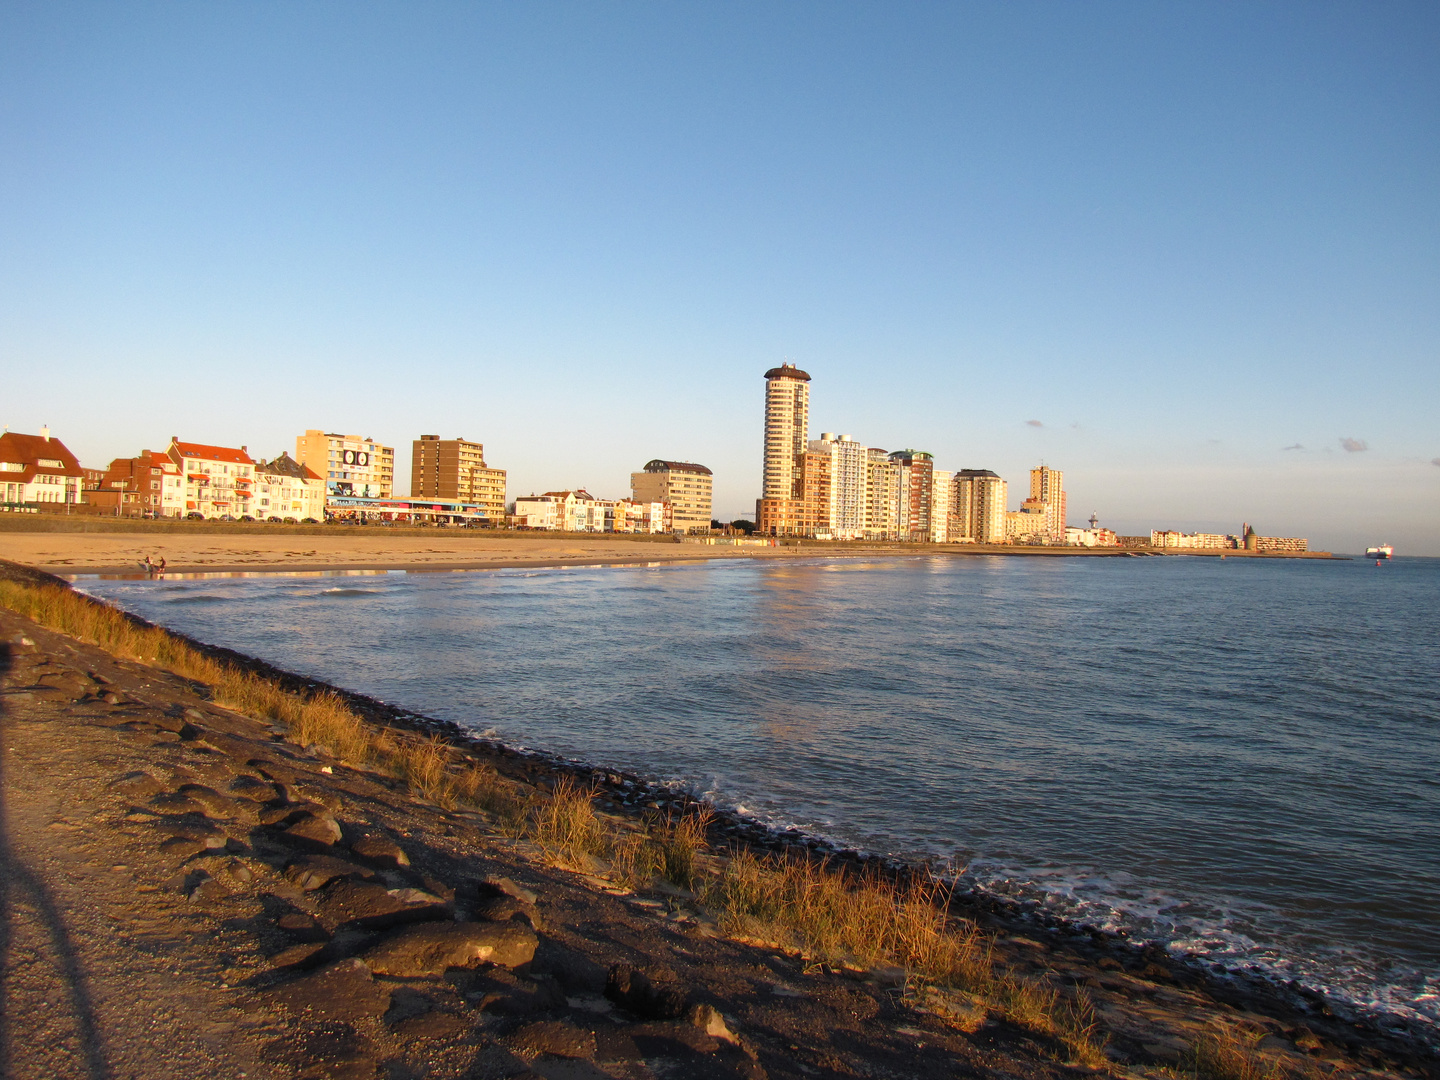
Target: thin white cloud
x: 1435, y: 461
x: 1354, y: 446
x: 1293, y: 446
x: 1034, y: 423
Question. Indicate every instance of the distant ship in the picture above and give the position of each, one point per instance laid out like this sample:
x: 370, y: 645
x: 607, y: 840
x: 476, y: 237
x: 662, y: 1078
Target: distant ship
x: 1384, y: 551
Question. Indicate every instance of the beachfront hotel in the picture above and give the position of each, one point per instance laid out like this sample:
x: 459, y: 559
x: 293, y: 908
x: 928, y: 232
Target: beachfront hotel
x: 456, y: 469
x: 350, y: 466
x: 687, y: 487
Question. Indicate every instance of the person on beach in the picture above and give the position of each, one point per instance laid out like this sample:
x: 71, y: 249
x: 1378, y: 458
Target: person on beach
x: 148, y: 568
x: 161, y: 565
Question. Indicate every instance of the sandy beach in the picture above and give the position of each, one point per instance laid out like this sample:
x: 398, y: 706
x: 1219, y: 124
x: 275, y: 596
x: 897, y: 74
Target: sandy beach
x: 88, y: 546
x: 345, y: 549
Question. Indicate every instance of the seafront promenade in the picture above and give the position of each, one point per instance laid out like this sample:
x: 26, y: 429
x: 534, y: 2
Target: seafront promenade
x: 91, y: 546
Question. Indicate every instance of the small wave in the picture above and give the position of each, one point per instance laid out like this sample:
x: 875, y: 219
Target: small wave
x: 348, y: 592
x: 202, y: 598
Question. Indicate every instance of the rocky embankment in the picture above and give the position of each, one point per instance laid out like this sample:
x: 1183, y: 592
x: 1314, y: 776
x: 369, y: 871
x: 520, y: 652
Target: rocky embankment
x: 187, y: 894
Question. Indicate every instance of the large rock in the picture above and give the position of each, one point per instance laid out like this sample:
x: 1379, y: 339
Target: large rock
x: 380, y: 849
x: 506, y: 908
x: 553, y: 1037
x: 341, y: 992
x: 312, y: 872
x: 138, y: 785
x: 314, y: 827
x: 253, y: 789
x: 215, y: 804
x: 432, y: 948
x: 368, y: 905
x: 174, y: 804
x: 503, y: 886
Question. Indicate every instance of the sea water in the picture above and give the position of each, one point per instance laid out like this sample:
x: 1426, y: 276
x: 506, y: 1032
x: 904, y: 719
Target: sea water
x: 1238, y: 758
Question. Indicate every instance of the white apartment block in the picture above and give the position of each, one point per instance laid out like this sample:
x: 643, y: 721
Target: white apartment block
x: 940, y: 500
x: 288, y: 491
x: 849, y: 475
x: 219, y: 481
x: 1028, y: 525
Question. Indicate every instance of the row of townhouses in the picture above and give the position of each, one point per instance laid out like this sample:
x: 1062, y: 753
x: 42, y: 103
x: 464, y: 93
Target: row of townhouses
x: 331, y: 477
x: 665, y: 496
x: 338, y: 477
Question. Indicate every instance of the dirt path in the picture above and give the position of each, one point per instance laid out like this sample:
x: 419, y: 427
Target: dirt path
x: 103, y: 973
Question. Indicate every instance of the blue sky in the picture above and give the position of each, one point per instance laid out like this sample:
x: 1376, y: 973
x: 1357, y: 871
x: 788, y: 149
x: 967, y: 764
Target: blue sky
x: 1179, y: 237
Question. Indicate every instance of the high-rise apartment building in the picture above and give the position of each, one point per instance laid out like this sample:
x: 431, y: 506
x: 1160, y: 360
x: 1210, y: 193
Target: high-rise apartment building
x: 687, y: 487
x: 456, y: 469
x: 787, y: 429
x: 882, y: 496
x: 917, y: 469
x: 977, y: 507
x: 940, y: 505
x: 1048, y: 486
x: 846, y: 484
x: 351, y: 466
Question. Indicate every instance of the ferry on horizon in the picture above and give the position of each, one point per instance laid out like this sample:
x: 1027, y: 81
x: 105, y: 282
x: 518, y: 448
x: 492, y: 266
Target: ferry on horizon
x: 1384, y: 551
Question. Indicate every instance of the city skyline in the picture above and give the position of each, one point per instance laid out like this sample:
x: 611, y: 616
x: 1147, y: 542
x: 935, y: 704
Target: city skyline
x: 1187, y: 254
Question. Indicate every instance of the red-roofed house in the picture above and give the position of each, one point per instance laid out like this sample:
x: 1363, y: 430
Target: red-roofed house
x: 219, y: 481
x: 39, y: 469
x: 149, y: 485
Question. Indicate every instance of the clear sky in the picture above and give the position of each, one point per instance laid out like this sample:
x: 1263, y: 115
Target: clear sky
x: 1188, y: 253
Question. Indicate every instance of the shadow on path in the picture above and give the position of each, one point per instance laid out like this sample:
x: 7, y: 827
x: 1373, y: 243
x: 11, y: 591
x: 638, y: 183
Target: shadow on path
x: 18, y: 883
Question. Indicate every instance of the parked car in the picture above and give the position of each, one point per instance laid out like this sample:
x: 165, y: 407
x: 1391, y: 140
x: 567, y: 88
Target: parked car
x: 308, y: 521
x: 246, y: 517
x: 194, y: 515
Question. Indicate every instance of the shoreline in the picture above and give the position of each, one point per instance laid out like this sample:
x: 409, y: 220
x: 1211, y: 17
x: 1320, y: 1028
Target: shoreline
x: 633, y: 794
x: 72, y: 546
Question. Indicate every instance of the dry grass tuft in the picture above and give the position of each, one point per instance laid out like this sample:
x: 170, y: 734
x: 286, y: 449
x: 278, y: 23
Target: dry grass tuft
x: 1233, y: 1054
x: 565, y: 824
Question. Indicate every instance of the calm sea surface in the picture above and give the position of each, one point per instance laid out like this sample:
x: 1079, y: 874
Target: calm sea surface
x: 1238, y: 758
